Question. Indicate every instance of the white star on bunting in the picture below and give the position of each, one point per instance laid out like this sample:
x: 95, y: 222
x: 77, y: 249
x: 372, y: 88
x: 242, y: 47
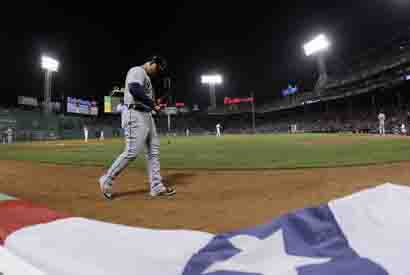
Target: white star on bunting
x: 267, y: 257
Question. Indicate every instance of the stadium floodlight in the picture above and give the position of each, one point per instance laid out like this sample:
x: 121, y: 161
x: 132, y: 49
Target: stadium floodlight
x: 319, y: 44
x: 49, y: 64
x: 212, y: 81
x: 317, y: 47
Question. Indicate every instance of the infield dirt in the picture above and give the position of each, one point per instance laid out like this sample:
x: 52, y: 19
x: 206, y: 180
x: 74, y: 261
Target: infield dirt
x: 212, y: 201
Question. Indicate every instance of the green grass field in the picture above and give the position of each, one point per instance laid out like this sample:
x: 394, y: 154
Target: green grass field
x: 227, y: 152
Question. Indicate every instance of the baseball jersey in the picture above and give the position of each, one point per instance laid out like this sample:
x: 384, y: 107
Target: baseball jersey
x: 382, y: 117
x: 137, y: 75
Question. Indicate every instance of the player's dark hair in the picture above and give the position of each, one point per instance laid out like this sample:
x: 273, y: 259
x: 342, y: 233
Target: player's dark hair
x: 157, y: 59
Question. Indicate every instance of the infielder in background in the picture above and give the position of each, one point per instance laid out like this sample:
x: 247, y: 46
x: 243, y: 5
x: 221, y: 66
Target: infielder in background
x: 122, y: 110
x: 139, y: 128
x: 382, y: 119
x: 121, y: 107
x: 403, y: 129
x: 85, y: 133
x: 218, y: 130
x: 9, y: 135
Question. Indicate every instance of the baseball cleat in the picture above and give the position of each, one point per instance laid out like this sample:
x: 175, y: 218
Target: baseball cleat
x: 165, y: 191
x: 106, y: 187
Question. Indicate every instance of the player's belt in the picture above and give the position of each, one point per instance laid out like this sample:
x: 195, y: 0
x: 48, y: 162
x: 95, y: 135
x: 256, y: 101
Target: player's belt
x: 139, y: 107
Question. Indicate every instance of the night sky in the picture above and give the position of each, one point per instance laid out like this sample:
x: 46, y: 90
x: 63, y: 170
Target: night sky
x: 256, y: 46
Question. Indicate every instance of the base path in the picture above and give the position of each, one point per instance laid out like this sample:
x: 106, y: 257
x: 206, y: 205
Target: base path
x: 212, y: 201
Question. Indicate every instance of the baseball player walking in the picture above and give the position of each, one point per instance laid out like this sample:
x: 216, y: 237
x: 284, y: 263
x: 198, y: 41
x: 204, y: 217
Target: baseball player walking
x: 139, y: 128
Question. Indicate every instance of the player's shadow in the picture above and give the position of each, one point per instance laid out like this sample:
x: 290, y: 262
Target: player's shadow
x: 130, y: 193
x: 177, y: 179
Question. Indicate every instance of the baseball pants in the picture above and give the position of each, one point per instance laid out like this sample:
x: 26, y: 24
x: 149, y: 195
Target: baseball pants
x: 140, y: 132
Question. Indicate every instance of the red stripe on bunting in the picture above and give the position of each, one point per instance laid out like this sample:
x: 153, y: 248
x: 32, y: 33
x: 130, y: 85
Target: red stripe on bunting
x: 17, y: 214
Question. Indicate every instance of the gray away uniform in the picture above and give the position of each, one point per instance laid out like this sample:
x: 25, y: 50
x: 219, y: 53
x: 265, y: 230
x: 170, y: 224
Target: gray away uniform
x: 139, y: 130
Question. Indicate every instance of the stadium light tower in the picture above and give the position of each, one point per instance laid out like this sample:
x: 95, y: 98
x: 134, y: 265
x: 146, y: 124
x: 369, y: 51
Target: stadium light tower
x: 212, y: 81
x: 317, y: 47
x: 49, y: 65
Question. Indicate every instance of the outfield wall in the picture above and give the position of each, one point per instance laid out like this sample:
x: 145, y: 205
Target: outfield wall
x: 34, y: 125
